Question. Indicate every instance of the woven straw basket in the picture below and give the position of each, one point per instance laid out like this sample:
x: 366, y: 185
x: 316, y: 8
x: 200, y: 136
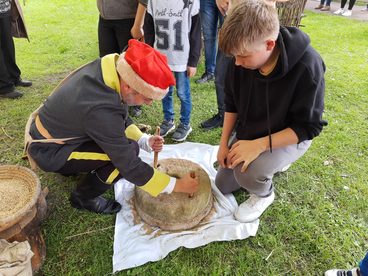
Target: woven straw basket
x: 19, y: 191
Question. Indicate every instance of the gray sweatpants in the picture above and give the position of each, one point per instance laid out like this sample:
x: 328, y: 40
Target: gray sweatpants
x: 257, y: 179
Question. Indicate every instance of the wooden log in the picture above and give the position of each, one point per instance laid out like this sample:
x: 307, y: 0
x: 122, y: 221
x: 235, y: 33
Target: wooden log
x: 28, y: 229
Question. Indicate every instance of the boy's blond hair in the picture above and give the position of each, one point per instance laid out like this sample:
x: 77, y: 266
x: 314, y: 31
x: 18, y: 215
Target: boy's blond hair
x: 248, y: 25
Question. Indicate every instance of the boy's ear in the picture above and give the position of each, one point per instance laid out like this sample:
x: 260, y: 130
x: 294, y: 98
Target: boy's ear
x: 270, y: 44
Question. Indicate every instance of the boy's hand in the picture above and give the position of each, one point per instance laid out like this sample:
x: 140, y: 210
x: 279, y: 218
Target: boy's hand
x: 156, y: 142
x: 137, y: 33
x: 223, y: 6
x: 186, y: 184
x: 191, y: 71
x: 244, y: 151
x: 222, y: 156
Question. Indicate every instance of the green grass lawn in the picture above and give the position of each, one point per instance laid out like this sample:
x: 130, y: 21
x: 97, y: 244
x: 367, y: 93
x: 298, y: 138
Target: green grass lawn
x: 319, y: 219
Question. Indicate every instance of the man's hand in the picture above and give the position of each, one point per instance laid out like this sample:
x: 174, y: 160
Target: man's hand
x: 222, y: 156
x: 186, y: 184
x: 156, y: 142
x: 244, y: 151
x: 191, y: 71
x: 223, y: 6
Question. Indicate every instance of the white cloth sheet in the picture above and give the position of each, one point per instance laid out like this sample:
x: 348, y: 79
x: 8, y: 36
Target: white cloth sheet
x: 135, y: 246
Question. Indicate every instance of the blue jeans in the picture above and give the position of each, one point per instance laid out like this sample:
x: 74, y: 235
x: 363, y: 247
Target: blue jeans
x: 183, y: 91
x: 210, y: 19
x: 363, y: 266
x: 328, y: 2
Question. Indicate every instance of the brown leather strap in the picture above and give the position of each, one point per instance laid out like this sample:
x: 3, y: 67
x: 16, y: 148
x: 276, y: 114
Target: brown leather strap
x: 43, y: 131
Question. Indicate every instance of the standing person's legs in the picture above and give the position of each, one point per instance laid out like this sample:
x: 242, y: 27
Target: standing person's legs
x: 122, y: 32
x: 363, y: 266
x: 107, y: 41
x: 341, y: 10
x: 209, y: 21
x: 168, y: 105
x: 222, y: 63
x: 351, y: 4
x: 183, y: 91
x: 9, y: 71
x: 168, y: 125
x: 257, y: 179
x: 349, y: 12
x: 320, y: 6
x: 361, y: 271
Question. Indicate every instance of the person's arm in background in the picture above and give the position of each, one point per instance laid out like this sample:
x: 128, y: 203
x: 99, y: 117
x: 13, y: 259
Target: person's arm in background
x: 195, y: 45
x: 149, y: 30
x: 223, y: 6
x: 137, y: 29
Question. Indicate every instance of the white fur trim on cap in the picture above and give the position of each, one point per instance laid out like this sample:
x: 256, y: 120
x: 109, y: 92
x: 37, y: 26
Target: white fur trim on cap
x: 128, y: 75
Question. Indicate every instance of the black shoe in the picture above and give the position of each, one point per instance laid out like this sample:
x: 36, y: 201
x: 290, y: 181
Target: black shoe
x: 23, y: 83
x: 135, y: 111
x: 11, y: 95
x: 98, y: 204
x: 216, y: 121
x: 206, y: 77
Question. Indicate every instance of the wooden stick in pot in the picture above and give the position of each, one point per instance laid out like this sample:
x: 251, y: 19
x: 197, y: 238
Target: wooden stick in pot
x: 155, y: 156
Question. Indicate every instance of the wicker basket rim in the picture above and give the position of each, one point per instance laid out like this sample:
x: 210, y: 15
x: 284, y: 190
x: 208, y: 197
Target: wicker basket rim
x: 15, y: 171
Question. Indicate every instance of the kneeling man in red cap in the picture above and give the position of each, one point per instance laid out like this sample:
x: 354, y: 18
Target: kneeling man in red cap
x: 83, y: 127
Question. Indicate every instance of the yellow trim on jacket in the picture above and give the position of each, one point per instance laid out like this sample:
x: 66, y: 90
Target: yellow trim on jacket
x: 133, y: 132
x: 156, y: 184
x: 109, y: 73
x: 88, y: 156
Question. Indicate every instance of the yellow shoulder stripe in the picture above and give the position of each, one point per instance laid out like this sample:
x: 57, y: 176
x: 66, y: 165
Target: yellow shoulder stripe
x: 156, y: 184
x: 109, y: 74
x: 133, y: 132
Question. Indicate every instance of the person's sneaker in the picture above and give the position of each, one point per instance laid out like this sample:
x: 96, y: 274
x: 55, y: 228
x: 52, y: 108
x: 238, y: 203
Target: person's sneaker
x: 166, y: 127
x: 347, y: 13
x: 11, y: 95
x: 181, y: 132
x: 318, y: 7
x: 206, y: 77
x: 253, y: 207
x: 365, y: 9
x: 135, y: 111
x: 342, y: 272
x: 216, y: 121
x: 284, y: 169
x: 339, y: 11
x: 326, y: 8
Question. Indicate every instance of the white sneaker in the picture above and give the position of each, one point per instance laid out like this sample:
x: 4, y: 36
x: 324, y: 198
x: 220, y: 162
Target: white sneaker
x: 347, y: 13
x: 342, y: 272
x: 253, y: 207
x: 284, y: 169
x: 339, y: 11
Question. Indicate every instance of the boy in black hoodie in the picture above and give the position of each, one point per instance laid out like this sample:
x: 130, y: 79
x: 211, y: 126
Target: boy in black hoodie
x: 274, y: 100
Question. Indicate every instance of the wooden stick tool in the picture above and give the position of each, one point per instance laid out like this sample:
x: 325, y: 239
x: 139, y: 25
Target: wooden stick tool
x: 155, y: 156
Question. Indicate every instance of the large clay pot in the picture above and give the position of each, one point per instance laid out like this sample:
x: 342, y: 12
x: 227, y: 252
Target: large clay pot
x: 176, y: 211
